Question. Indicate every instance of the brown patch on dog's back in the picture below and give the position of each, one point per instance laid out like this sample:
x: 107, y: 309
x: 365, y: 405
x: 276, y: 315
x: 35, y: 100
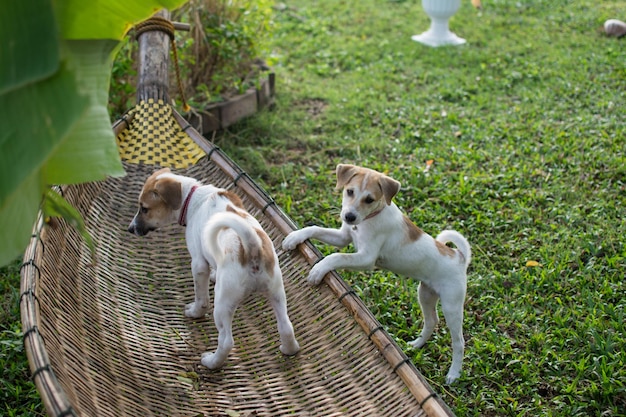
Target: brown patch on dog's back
x: 239, y: 213
x: 267, y: 252
x: 413, y: 232
x: 444, y: 249
x: 234, y: 198
x: 243, y: 256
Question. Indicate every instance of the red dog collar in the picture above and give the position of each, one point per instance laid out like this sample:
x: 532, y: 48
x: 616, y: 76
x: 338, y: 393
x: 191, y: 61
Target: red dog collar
x: 182, y: 220
x: 375, y: 213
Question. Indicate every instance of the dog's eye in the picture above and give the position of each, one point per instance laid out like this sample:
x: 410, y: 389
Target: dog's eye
x: 143, y: 209
x: 369, y: 199
x: 349, y: 192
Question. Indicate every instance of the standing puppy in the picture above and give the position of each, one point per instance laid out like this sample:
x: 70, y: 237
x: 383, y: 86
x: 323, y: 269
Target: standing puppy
x: 223, y: 238
x: 384, y: 237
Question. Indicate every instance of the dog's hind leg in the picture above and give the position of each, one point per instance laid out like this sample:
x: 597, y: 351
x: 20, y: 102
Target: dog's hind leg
x: 199, y: 307
x: 289, y: 345
x: 453, y: 312
x: 428, y: 302
x: 225, y: 304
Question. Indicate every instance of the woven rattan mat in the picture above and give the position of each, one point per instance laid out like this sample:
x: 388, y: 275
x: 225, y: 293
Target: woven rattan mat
x: 107, y: 337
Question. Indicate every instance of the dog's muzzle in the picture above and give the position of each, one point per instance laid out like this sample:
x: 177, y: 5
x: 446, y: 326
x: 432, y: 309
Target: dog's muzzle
x: 138, y: 229
x: 349, y: 217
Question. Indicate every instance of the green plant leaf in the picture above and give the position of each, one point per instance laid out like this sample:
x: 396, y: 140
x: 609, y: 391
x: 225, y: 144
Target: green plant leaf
x: 35, y: 124
x: 29, y: 50
x: 53, y: 96
x: 17, y: 214
x: 89, y: 151
x: 54, y: 205
x: 106, y: 19
x: 36, y: 120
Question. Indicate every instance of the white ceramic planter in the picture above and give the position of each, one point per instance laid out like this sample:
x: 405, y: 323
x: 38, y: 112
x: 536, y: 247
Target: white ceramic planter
x: 439, y: 11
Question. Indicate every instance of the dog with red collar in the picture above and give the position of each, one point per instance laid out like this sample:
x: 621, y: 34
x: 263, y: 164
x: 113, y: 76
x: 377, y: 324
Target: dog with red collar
x: 227, y: 246
x: 384, y: 237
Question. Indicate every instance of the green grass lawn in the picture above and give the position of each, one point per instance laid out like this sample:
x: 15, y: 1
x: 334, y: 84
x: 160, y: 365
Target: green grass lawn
x: 526, y: 127
x: 18, y: 395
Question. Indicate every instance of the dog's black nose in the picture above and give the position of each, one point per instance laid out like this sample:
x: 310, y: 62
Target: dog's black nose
x: 350, y: 217
x: 131, y: 229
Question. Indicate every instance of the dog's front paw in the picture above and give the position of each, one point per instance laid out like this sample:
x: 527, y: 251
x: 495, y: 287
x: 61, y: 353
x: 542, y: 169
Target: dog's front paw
x: 195, y: 310
x: 292, y: 240
x: 211, y: 360
x: 317, y: 273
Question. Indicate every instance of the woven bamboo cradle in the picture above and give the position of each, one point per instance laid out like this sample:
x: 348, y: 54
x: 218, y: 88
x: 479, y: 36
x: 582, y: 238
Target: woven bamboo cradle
x: 107, y: 336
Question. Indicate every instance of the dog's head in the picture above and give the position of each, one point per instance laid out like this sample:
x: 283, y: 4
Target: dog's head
x: 365, y: 192
x: 159, y: 200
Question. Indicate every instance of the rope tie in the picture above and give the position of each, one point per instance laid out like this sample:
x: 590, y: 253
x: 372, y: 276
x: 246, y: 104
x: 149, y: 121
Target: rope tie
x: 161, y: 24
x: 402, y: 362
x: 428, y: 397
x: 241, y: 174
x: 345, y: 294
x: 267, y: 205
x: 374, y: 330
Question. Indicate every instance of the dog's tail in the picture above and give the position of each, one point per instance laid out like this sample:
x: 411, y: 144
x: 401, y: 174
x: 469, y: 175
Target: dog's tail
x: 248, y: 246
x: 459, y: 241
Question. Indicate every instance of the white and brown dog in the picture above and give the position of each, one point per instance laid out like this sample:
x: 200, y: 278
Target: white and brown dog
x: 226, y: 244
x: 383, y: 236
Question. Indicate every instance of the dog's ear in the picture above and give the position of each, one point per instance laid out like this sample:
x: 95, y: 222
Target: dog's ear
x: 170, y: 191
x: 345, y: 173
x: 390, y: 188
